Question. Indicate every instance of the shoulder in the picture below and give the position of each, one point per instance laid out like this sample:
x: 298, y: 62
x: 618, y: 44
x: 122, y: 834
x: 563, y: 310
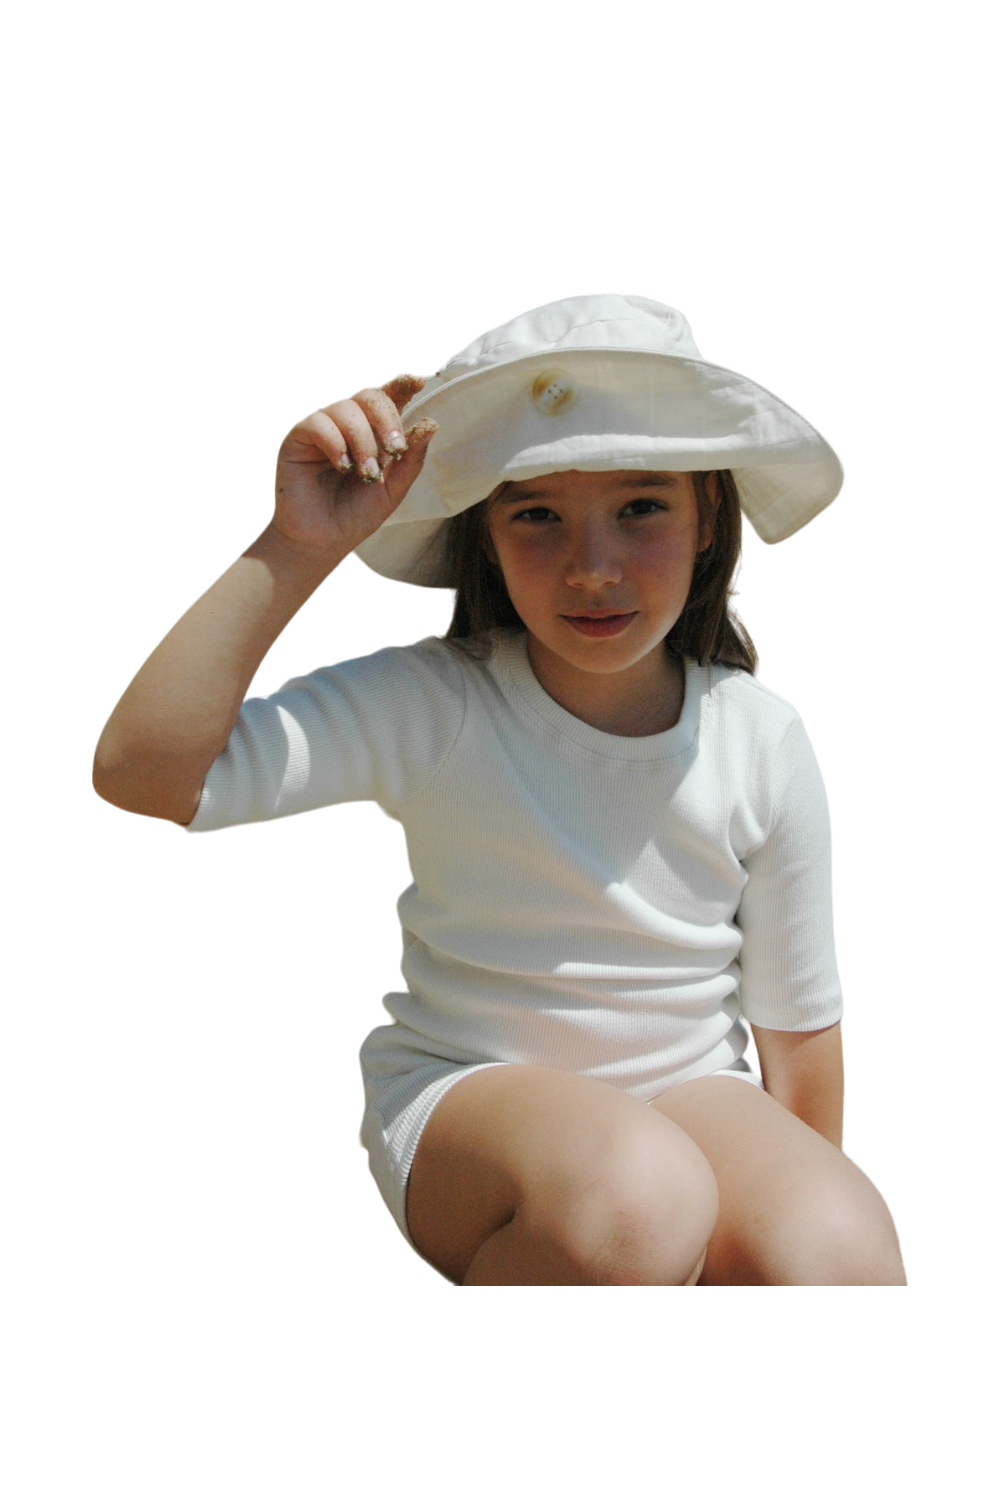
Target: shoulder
x: 760, y: 740
x: 412, y: 696
x: 739, y: 699
x: 426, y: 671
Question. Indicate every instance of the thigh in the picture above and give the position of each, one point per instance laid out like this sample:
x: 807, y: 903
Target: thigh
x: 793, y: 1209
x: 521, y: 1136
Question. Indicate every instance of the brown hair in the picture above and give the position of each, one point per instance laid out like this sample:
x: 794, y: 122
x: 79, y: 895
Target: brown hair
x: 708, y: 628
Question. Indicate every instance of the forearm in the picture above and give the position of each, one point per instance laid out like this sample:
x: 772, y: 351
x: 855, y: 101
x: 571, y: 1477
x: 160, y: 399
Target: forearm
x: 177, y: 714
x: 805, y: 1073
x: 815, y: 1104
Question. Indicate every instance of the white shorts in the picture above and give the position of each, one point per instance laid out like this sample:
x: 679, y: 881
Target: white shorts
x: 403, y: 1085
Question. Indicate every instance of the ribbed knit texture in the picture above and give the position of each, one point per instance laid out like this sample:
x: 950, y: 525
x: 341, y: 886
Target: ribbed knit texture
x: 603, y: 904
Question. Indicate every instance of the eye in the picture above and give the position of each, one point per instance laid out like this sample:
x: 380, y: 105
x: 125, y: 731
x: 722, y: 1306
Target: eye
x: 648, y: 507
x: 533, y: 514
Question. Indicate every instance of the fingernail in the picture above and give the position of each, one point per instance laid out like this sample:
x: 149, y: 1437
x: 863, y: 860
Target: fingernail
x: 395, y: 443
x: 345, y: 463
x: 370, y: 469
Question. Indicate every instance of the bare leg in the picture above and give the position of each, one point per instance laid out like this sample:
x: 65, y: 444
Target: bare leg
x: 531, y: 1176
x: 794, y: 1210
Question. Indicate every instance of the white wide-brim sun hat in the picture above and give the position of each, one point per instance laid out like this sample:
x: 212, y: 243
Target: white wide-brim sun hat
x: 603, y: 382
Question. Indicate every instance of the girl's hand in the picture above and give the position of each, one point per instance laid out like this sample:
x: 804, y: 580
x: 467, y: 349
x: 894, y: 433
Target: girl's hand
x: 344, y: 469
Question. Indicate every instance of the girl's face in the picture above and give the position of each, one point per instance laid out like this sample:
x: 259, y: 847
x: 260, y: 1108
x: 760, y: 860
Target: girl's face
x: 598, y: 565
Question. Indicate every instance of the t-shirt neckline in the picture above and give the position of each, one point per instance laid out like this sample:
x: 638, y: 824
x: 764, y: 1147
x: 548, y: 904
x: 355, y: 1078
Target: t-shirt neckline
x: 514, y: 667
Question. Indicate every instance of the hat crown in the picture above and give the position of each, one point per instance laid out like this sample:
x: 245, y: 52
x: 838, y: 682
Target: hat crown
x: 611, y: 321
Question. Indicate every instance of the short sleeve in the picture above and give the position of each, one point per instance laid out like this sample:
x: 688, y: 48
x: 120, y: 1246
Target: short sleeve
x: 788, y: 964
x: 375, y: 728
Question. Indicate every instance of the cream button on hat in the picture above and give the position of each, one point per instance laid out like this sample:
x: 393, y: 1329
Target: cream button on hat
x: 553, y: 392
x: 602, y: 382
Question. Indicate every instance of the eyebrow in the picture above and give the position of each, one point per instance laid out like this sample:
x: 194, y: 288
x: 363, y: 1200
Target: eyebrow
x: 634, y: 480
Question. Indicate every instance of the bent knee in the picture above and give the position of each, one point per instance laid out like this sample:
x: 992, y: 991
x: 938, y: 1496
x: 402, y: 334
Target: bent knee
x: 839, y: 1232
x: 643, y: 1213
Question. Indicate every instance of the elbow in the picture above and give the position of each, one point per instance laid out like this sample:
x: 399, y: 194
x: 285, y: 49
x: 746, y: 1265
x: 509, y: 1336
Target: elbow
x: 144, y: 789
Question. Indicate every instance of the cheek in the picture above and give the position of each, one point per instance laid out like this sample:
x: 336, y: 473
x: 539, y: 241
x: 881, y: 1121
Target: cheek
x: 668, y: 562
x: 525, y: 562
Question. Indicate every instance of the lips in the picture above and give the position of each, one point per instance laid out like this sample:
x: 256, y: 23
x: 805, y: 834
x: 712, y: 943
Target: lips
x: 601, y: 623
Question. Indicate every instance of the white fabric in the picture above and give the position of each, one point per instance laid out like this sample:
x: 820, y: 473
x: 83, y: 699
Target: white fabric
x: 599, y: 382
x: 603, y: 904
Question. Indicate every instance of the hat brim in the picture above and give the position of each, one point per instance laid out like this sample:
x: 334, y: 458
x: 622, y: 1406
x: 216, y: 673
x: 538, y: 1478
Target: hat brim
x: 629, y: 410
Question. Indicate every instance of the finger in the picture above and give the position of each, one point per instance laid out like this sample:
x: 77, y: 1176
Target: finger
x: 402, y: 389
x: 362, y: 443
x: 317, y: 432
x: 401, y: 474
x: 384, y: 417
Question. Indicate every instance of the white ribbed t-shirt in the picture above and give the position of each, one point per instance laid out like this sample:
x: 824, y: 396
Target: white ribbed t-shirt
x: 604, y: 904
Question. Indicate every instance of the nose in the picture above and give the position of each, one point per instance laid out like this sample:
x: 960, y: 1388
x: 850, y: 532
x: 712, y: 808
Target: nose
x: 593, y: 561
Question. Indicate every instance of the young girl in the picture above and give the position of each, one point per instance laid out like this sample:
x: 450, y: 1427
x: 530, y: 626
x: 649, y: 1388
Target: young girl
x: 618, y: 837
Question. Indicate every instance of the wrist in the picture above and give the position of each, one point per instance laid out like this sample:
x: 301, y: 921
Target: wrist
x: 291, y: 557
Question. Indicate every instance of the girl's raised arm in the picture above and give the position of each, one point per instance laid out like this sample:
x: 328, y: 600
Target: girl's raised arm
x: 340, y: 473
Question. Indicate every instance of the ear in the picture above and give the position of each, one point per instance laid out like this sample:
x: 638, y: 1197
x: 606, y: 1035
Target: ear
x: 706, y: 534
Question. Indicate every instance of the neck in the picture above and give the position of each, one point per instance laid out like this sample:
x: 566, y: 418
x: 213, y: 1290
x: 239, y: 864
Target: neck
x: 642, y: 700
